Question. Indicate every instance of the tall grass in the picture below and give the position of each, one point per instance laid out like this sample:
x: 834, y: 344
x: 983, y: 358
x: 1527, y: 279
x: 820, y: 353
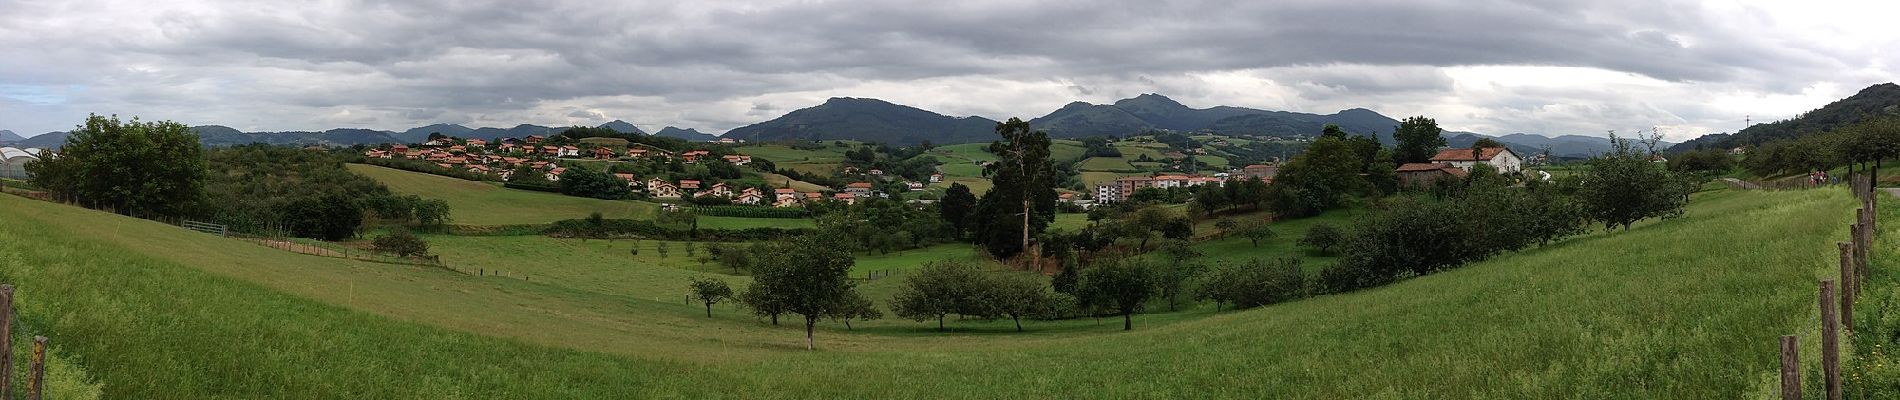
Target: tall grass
x: 1684, y: 308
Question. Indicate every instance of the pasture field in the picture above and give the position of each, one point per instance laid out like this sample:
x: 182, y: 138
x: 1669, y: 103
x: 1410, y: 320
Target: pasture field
x: 1668, y: 309
x: 482, y: 203
x: 1108, y: 164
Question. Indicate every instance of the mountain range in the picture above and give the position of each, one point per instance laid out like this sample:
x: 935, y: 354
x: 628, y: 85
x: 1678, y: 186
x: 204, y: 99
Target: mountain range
x: 218, y: 135
x: 874, y: 120
x: 7, y: 136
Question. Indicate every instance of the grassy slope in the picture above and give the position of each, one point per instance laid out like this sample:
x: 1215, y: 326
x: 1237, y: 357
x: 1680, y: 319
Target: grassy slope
x: 1667, y: 310
x: 478, y: 203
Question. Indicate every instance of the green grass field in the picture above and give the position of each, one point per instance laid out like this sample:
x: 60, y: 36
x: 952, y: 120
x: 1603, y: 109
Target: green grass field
x: 1683, y: 308
x: 478, y: 203
x: 1105, y: 164
x: 481, y: 203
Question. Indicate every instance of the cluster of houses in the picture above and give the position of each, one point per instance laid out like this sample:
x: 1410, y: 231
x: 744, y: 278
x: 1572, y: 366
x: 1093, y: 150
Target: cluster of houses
x: 1121, y: 189
x: 1456, y: 163
x: 503, y: 156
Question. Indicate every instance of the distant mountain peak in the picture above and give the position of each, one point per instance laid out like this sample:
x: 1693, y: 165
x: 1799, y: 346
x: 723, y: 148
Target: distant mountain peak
x: 623, y: 127
x: 9, y: 136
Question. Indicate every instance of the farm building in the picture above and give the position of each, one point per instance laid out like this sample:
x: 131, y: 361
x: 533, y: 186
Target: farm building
x: 1414, y: 175
x: 1505, y: 160
x: 13, y: 161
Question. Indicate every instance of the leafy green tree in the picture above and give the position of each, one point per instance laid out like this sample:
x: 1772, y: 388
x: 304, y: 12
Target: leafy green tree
x: 1023, y: 200
x: 1174, y: 279
x: 1322, y: 177
x: 1019, y: 296
x: 956, y: 206
x: 710, y: 291
x: 663, y: 248
x: 1122, y: 286
x: 136, y: 168
x: 1323, y: 238
x: 1226, y: 226
x: 1253, y: 283
x: 939, y: 289
x: 1418, y: 140
x: 1622, y: 186
x: 855, y: 306
x: 431, y: 213
x: 585, y: 182
x: 401, y: 243
x: 331, y: 217
x: 808, y: 276
x: 1255, y: 231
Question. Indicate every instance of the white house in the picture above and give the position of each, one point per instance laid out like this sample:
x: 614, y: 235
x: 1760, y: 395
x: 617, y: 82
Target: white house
x: 1501, y: 158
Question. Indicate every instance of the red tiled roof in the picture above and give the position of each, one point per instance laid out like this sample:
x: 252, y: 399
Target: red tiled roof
x: 1465, y: 154
x: 866, y: 185
x: 785, y: 190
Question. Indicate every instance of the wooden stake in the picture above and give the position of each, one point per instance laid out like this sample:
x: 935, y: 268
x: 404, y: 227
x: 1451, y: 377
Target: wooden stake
x: 1849, y: 286
x: 1830, y: 342
x: 37, y: 375
x: 6, y: 341
x: 1790, y: 368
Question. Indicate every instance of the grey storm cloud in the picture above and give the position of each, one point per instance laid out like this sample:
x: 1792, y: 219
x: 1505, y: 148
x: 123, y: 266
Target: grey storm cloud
x: 720, y: 64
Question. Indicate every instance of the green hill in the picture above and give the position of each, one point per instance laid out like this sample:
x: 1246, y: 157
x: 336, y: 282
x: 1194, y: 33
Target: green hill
x: 1681, y: 308
x: 1876, y: 100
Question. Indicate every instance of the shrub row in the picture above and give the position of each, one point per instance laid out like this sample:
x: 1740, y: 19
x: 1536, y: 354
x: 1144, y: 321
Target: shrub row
x: 751, y: 212
x: 614, y: 228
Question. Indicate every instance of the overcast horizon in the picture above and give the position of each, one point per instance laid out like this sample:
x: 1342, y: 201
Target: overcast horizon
x: 1553, y: 68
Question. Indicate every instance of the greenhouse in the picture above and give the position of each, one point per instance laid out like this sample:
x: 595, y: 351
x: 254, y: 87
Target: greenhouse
x: 13, y: 161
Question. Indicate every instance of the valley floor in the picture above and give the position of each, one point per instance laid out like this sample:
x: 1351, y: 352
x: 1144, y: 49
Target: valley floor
x: 1683, y: 308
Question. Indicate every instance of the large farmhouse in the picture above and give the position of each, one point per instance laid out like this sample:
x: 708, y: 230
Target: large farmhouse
x: 1505, y: 160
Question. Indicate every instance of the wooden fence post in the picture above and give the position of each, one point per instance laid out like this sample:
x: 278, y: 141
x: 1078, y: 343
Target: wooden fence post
x: 6, y: 341
x: 1850, y: 285
x: 37, y: 375
x: 1790, y: 368
x: 1830, y: 343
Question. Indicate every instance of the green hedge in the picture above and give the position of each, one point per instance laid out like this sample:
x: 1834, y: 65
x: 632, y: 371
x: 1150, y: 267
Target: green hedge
x: 647, y: 229
x: 751, y: 212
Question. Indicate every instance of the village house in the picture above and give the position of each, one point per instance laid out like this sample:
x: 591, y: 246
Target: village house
x: 603, y: 153
x: 660, y: 188
x: 738, y: 159
x: 632, y: 183
x: 913, y: 186
x: 1264, y: 172
x: 477, y: 143
x: 534, y: 139
x: 636, y: 152
x: 858, y: 188
x: 568, y: 151
x: 688, y: 184
x: 1501, y: 158
x: 785, y: 197
x: 693, y: 156
x: 877, y: 172
x: 1418, y: 175
x: 846, y: 198
x: 554, y: 175
x: 727, y: 140
x: 750, y: 197
x: 719, y: 189
x: 936, y: 177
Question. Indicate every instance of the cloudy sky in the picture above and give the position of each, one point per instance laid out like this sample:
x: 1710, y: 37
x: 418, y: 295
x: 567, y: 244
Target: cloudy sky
x: 1546, y: 67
